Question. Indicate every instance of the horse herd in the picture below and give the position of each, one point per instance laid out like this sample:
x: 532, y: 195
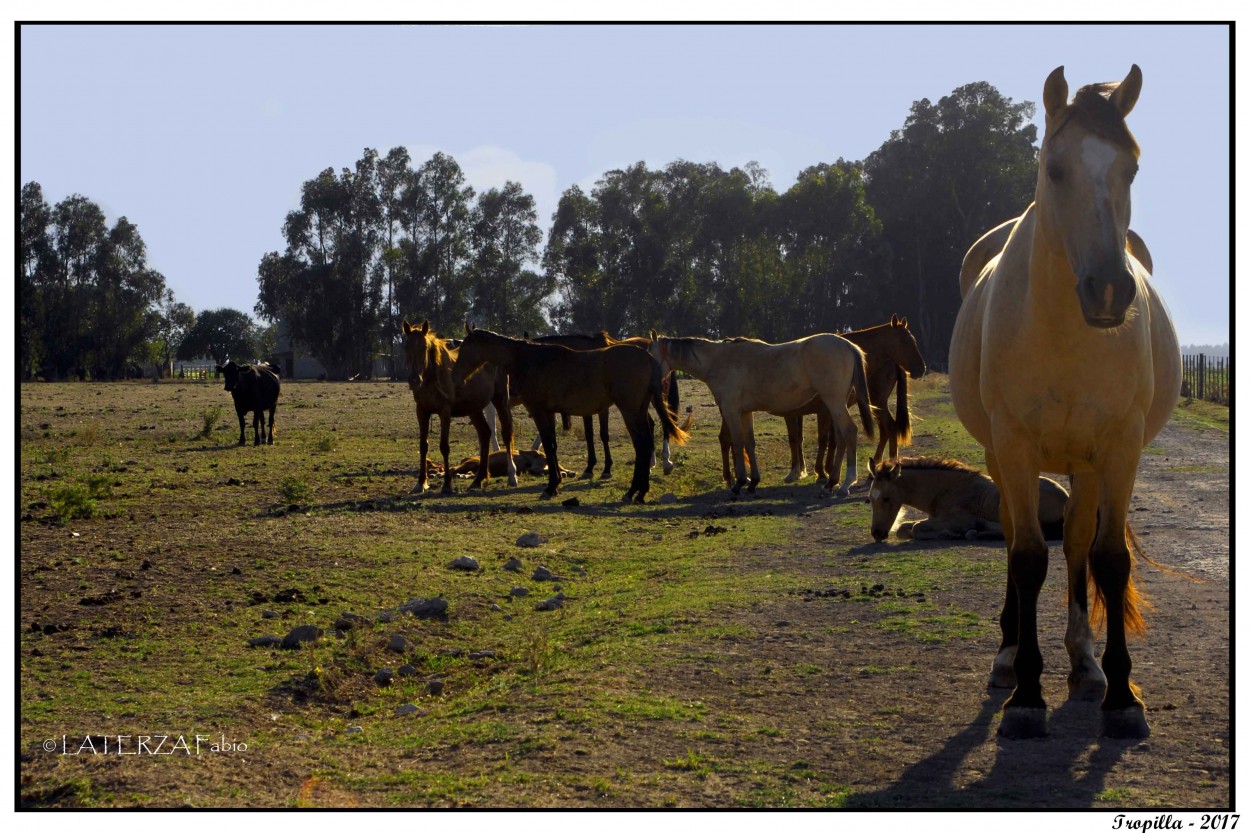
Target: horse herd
x: 1063, y: 359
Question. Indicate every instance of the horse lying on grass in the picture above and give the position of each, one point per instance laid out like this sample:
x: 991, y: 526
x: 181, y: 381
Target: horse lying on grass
x: 526, y: 462
x: 961, y: 501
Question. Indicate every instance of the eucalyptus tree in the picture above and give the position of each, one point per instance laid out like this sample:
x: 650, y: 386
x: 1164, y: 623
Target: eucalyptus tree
x: 954, y: 170
x: 507, y: 294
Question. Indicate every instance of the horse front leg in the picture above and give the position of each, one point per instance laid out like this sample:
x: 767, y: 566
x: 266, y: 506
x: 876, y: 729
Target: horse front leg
x: 794, y: 433
x: 591, y: 462
x: 725, y: 443
x: 483, y: 443
x: 748, y: 429
x: 258, y: 426
x: 444, y: 445
x: 242, y: 426
x: 1024, y: 713
x: 504, y: 412
x: 1111, y: 561
x: 423, y: 427
x: 546, y: 424
x: 1086, y: 681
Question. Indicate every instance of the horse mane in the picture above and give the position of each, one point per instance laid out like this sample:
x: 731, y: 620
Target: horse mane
x: 944, y: 463
x: 1094, y: 110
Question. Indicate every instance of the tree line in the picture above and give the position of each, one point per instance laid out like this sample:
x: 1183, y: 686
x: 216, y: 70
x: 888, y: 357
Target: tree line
x: 688, y: 249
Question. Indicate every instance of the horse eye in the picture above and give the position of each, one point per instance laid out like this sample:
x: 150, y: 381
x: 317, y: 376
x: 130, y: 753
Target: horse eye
x: 1055, y: 173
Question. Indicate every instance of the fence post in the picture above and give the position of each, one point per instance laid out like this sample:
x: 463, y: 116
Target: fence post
x: 1202, y: 373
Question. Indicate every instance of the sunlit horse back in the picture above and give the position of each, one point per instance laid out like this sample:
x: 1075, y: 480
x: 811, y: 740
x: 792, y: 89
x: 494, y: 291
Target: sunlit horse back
x: 1064, y: 359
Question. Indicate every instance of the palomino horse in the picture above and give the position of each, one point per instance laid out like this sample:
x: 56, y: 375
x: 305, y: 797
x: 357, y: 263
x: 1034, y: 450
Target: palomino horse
x: 430, y: 363
x: 961, y: 501
x: 1064, y: 359
x: 551, y: 379
x: 746, y: 375
x: 892, y: 354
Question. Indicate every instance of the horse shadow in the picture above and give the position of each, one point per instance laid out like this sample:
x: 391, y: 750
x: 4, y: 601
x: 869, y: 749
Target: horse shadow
x: 1077, y: 774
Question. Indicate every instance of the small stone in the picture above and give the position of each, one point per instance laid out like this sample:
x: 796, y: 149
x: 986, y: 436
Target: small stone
x: 551, y: 604
x: 268, y: 641
x: 519, y: 591
x: 349, y: 621
x: 466, y: 563
x: 513, y: 564
x: 530, y: 539
x: 667, y: 497
x: 435, y: 608
x: 383, y: 677
x: 397, y: 644
x: 385, y: 617
x: 269, y: 614
x: 434, y: 687
x: 571, y: 503
x: 235, y: 571
x: 451, y: 652
x: 355, y: 730
x: 289, y: 595
x: 543, y: 574
x: 300, y: 635
x: 496, y: 607
x: 481, y: 655
x: 405, y: 709
x: 407, y: 670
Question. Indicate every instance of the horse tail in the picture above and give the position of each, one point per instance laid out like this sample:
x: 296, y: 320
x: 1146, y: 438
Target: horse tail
x: 861, y: 391
x: 902, y: 419
x: 668, y: 419
x: 674, y: 398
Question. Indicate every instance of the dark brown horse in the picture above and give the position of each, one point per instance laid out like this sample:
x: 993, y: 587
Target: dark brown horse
x: 551, y: 379
x: 430, y: 363
x: 892, y: 354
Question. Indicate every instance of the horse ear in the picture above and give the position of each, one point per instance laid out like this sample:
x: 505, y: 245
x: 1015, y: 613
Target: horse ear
x: 653, y: 334
x: 903, y: 320
x: 468, y: 328
x: 894, y: 320
x: 1055, y: 93
x: 425, y: 327
x: 872, y: 468
x: 408, y: 328
x: 1125, y: 95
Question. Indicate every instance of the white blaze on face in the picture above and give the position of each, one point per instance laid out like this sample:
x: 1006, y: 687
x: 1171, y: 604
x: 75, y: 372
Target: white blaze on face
x: 1097, y: 155
x: 874, y: 495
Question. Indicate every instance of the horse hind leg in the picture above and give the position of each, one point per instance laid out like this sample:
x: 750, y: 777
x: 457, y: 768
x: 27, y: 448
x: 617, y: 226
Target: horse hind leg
x: 1086, y: 680
x: 444, y: 446
x: 844, y: 436
x: 606, y: 474
x: 483, y: 442
x: 271, y: 414
x: 591, y: 461
x: 640, y: 431
x: 748, y: 426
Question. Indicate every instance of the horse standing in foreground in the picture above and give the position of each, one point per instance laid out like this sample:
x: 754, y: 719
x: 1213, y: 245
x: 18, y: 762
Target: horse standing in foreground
x: 551, y: 379
x: 1064, y: 359
x: 430, y: 363
x: 746, y: 375
x: 254, y: 388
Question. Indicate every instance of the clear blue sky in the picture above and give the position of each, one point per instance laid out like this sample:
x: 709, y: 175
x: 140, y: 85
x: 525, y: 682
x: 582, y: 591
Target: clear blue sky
x: 202, y: 135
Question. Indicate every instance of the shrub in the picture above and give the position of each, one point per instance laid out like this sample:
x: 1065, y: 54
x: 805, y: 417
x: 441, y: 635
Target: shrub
x: 73, y: 500
x: 294, y: 490
x: 211, y: 415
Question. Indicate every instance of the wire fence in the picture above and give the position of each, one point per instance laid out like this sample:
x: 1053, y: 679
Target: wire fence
x: 1207, y: 377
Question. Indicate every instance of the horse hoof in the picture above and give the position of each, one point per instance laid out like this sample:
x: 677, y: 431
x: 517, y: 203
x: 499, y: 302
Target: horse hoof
x: 1125, y: 723
x: 448, y: 491
x: 1087, y: 687
x: 843, y: 492
x: 586, y: 475
x: 1021, y: 723
x: 512, y: 482
x: 606, y: 475
x: 668, y: 468
x: 546, y: 495
x: 751, y: 488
